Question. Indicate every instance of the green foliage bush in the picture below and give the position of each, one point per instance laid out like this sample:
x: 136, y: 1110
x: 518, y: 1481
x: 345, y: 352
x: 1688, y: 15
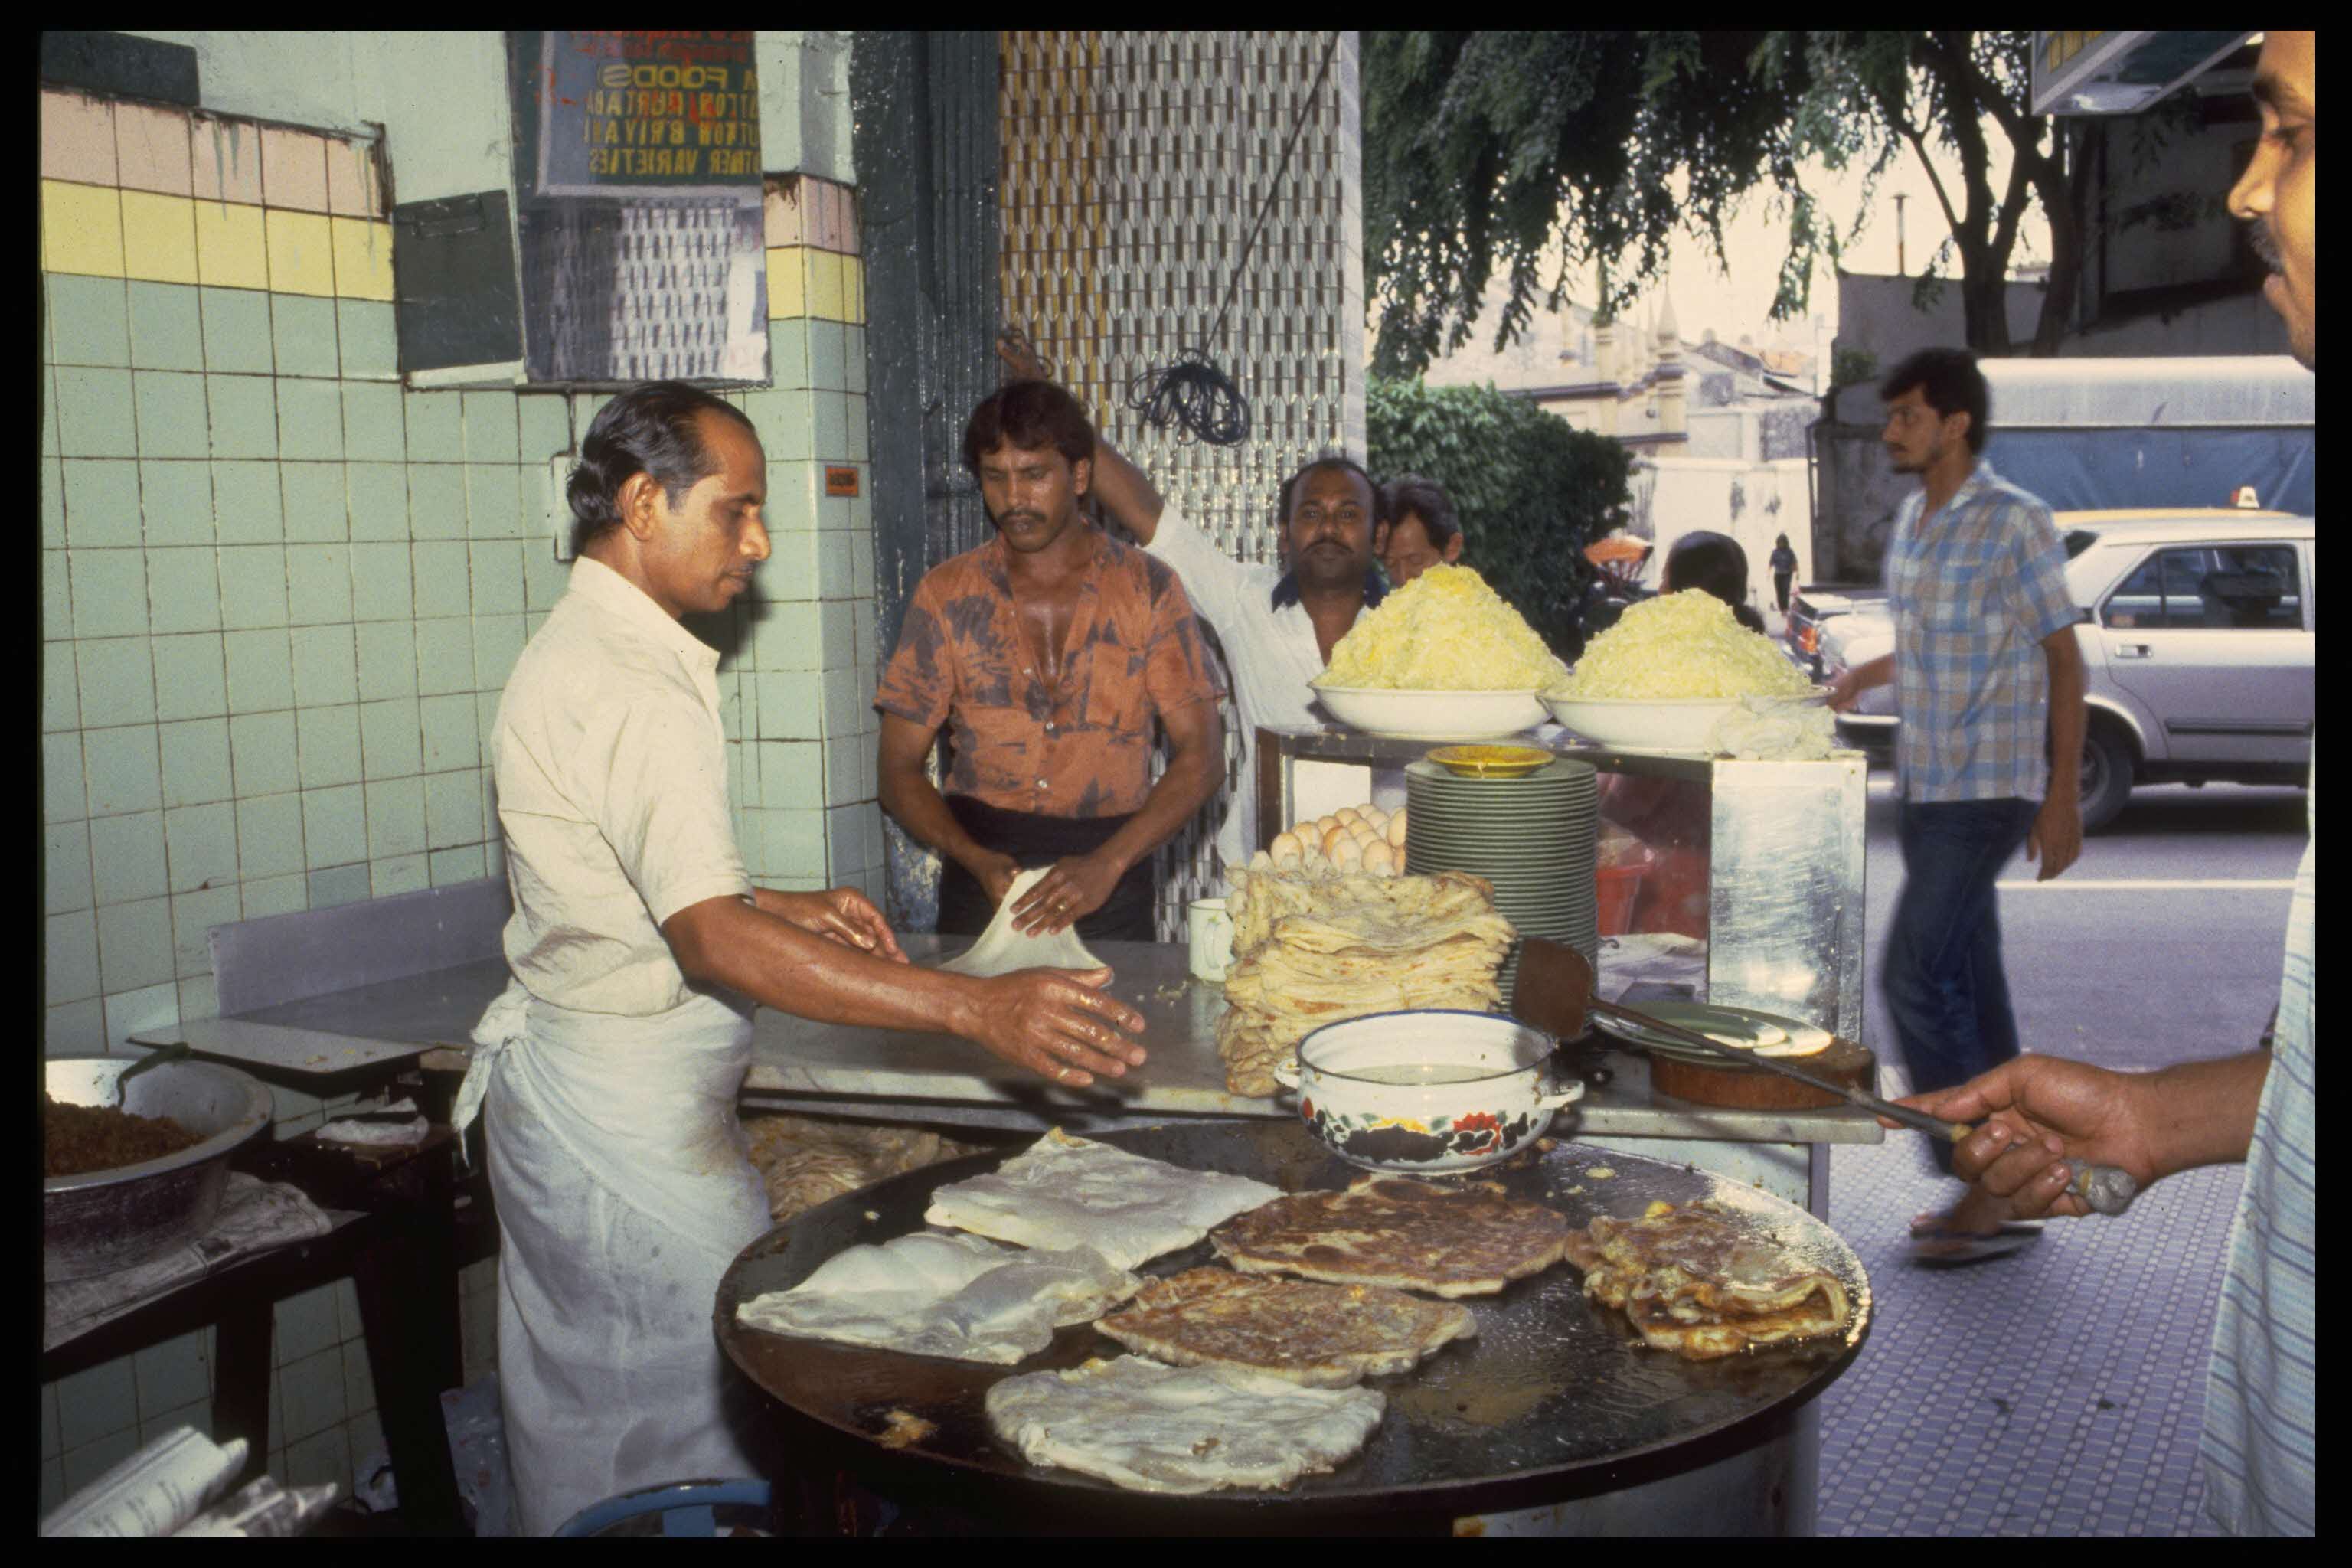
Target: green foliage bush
x: 1531, y: 492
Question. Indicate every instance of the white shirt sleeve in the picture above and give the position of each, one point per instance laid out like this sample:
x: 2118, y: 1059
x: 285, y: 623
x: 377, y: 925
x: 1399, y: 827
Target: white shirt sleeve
x: 663, y: 803
x: 1219, y: 587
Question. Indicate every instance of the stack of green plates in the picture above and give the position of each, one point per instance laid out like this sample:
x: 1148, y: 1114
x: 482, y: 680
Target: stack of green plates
x: 1532, y: 837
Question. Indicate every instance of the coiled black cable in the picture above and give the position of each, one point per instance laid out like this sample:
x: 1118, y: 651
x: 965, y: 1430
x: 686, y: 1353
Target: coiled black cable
x: 1193, y: 393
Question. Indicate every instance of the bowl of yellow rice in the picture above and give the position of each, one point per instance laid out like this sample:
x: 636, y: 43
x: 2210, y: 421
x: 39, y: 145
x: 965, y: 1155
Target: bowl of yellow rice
x: 1668, y: 672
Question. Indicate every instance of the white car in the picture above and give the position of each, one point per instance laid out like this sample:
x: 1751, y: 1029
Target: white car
x: 2198, y: 650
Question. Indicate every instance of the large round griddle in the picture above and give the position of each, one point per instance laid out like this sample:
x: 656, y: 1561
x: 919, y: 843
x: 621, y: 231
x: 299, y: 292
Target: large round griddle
x: 1554, y: 1391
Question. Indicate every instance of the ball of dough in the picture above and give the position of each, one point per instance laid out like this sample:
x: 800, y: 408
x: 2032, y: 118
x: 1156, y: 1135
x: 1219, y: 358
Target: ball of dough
x: 1347, y: 814
x: 1332, y: 838
x: 1286, y: 850
x: 1396, y: 828
x: 1379, y: 860
x: 1350, y: 856
x: 1324, y: 824
x: 1377, y: 818
x: 1362, y: 834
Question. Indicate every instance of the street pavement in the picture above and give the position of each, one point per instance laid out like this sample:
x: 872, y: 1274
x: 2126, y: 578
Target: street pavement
x: 2059, y: 1391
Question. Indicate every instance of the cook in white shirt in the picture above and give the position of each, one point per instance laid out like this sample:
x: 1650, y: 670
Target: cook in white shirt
x: 638, y: 945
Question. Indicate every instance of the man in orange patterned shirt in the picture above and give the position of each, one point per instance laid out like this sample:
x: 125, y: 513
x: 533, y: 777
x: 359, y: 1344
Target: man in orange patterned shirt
x: 1046, y: 653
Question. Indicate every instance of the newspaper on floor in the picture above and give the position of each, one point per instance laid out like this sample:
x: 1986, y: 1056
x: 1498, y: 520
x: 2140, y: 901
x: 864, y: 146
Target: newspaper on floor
x: 255, y: 1217
x: 374, y: 1130
x: 262, y: 1507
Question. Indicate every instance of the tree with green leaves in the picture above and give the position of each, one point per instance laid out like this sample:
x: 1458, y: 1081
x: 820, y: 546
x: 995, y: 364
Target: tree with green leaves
x: 1530, y: 489
x: 1515, y: 153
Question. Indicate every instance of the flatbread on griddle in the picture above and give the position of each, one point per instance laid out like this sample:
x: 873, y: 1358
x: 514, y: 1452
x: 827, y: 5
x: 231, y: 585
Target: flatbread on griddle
x: 1697, y: 1282
x: 1318, y: 1336
x: 1469, y: 1241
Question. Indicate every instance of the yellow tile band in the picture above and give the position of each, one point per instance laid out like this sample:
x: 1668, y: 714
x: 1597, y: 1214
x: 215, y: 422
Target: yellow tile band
x: 232, y: 251
x: 362, y: 250
x: 825, y: 301
x: 787, y: 296
x: 81, y: 229
x: 158, y: 237
x: 300, y: 260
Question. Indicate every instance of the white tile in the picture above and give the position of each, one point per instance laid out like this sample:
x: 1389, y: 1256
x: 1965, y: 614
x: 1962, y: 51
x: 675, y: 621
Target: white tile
x: 173, y: 1374
x: 94, y: 1403
x: 85, y: 1464
x: 52, y: 1445
x: 307, y: 1325
x: 319, y: 1460
x: 313, y: 1389
x: 359, y: 1384
x: 141, y: 1012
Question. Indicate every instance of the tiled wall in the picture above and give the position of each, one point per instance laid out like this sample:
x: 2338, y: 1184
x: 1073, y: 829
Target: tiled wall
x: 281, y: 594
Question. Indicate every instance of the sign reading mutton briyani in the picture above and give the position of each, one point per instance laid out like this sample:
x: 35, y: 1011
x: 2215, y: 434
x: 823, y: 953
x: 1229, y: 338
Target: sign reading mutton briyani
x: 637, y: 169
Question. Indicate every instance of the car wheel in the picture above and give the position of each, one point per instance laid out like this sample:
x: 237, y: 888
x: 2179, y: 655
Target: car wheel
x: 2107, y: 777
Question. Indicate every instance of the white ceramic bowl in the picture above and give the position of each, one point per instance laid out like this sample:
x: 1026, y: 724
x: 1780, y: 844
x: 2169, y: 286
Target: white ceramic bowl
x: 1434, y: 715
x: 1653, y: 723
x: 1426, y: 1128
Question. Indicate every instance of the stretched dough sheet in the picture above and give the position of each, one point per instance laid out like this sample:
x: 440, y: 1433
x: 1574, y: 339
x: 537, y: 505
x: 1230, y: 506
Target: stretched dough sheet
x: 1001, y: 950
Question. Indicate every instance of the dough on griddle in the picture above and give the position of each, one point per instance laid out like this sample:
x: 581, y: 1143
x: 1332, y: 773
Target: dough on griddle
x: 1063, y: 1192
x: 1317, y: 1336
x: 1001, y: 950
x: 1702, y: 1282
x: 1394, y: 1231
x: 1157, y: 1428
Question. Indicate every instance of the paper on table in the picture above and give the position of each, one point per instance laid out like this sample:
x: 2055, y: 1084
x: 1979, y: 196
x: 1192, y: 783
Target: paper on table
x: 152, y: 1492
x: 1001, y: 950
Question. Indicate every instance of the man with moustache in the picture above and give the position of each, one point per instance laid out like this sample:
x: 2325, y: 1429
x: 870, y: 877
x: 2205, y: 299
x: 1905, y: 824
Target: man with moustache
x: 1989, y: 682
x: 2259, y: 1443
x: 1047, y: 653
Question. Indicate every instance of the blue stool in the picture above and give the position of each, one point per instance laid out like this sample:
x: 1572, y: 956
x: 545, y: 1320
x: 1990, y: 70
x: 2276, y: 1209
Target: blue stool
x: 679, y: 1507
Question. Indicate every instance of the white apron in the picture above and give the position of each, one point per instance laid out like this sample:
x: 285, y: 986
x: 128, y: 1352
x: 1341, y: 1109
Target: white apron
x: 624, y: 1189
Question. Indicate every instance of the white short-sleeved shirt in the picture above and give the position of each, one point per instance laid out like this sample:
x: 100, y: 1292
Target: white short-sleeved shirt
x: 1272, y: 652
x: 610, y: 764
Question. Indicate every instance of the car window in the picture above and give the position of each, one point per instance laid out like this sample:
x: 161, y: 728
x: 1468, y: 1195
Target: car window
x: 2230, y: 587
x: 2077, y: 540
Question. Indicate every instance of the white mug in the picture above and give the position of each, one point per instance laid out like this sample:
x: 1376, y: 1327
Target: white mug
x: 1212, y: 931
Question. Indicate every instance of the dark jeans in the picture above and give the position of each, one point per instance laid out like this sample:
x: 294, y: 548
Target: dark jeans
x: 1944, y: 988
x: 1781, y: 581
x: 965, y: 908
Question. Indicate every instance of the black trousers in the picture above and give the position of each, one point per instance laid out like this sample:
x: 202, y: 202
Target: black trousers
x: 1781, y: 588
x: 965, y: 908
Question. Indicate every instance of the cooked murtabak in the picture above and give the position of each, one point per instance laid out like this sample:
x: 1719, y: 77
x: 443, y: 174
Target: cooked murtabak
x: 1700, y: 1282
x: 1319, y: 1336
x: 1469, y: 1241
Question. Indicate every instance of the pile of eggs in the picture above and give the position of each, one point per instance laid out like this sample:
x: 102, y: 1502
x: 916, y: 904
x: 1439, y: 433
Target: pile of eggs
x: 1352, y: 838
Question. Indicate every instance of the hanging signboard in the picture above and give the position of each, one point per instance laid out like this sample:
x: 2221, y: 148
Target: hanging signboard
x: 2120, y: 72
x: 637, y: 173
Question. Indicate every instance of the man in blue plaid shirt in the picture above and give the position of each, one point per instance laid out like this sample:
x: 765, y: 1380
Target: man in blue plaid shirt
x: 1988, y: 683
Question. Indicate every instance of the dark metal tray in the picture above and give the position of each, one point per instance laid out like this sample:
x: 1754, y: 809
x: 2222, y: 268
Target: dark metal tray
x: 1553, y: 1386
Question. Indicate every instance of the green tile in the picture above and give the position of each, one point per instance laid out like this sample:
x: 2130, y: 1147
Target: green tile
x: 401, y: 874
x: 325, y: 670
x: 195, y: 764
x: 236, y: 331
x: 60, y: 689
x: 318, y: 587
x: 498, y: 643
x: 310, y: 418
x: 173, y: 419
x: 191, y: 680
x: 94, y: 413
x: 828, y: 356
x: 101, y: 502
x: 370, y: 345
x: 387, y: 659
x: 452, y: 810
x: 302, y: 331
x: 64, y: 782
x: 175, y: 498
x: 395, y: 818
x: 788, y: 357
x: 109, y: 593
x: 391, y: 741
x: 445, y: 656
x: 334, y: 826
x: 317, y: 507
x: 65, y: 862
x: 328, y: 746
x: 491, y: 432
x: 450, y: 738
x: 853, y: 408
x: 135, y: 945
x: 194, y: 915
x: 52, y: 503
x: 546, y: 426
x: 167, y: 329
x: 253, y: 589
x: 828, y: 428
x: 261, y: 751
x: 70, y: 941
x: 116, y: 681
x: 121, y: 770
x: 269, y: 844
x: 52, y: 443
x: 454, y: 866
x: 182, y: 590
x: 244, y: 415
x: 247, y: 504
x: 853, y: 360
x: 436, y: 423
x: 544, y: 578
x: 380, y: 582
x: 493, y: 508
x: 436, y: 500
x: 374, y: 423
x: 496, y: 576
x: 338, y: 885
x: 260, y: 670
x: 442, y: 580
x: 378, y: 500
x: 89, y: 321
x: 57, y: 599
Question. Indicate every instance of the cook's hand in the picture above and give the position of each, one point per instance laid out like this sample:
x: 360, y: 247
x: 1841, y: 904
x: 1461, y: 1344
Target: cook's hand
x: 2055, y: 839
x: 1845, y: 690
x: 2039, y: 1113
x: 1072, y: 889
x: 1058, y: 1024
x: 995, y: 872
x: 1022, y: 360
x: 838, y: 914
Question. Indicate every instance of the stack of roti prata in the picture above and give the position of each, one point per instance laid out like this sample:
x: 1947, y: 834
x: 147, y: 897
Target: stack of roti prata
x: 1314, y: 944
